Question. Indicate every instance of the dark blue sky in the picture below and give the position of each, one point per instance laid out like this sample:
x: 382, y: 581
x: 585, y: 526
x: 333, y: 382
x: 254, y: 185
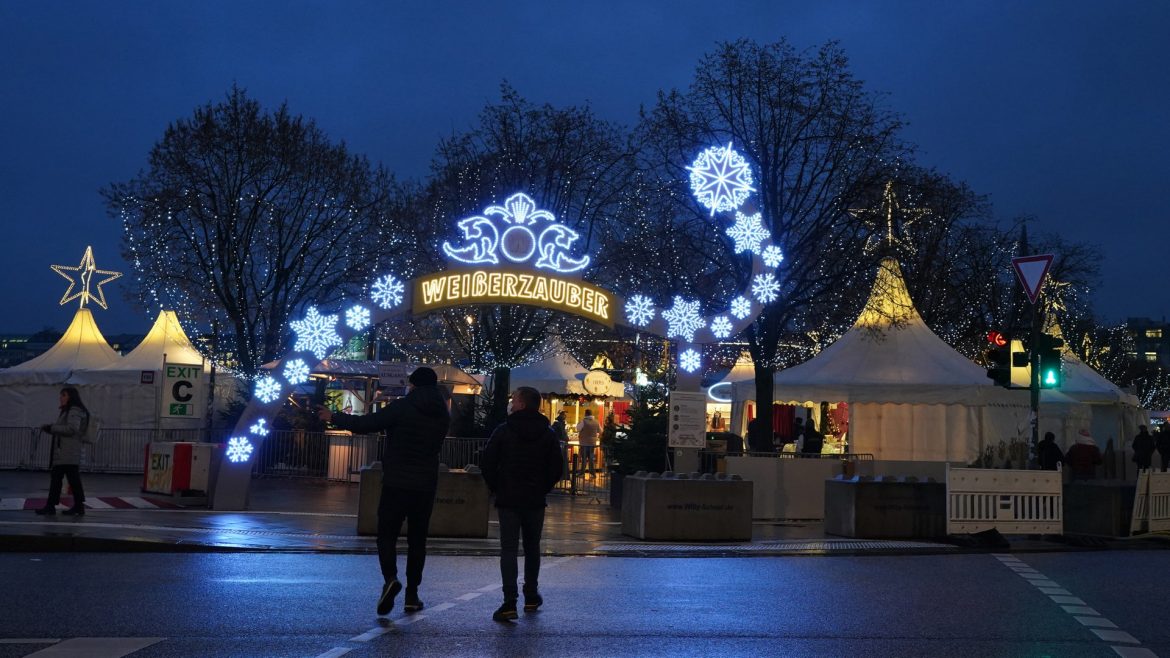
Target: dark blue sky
x: 1053, y: 108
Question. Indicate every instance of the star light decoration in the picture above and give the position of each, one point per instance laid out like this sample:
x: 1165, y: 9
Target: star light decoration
x: 316, y: 333
x: 721, y: 326
x: 267, y: 389
x: 639, y: 310
x: 721, y: 179
x: 748, y: 232
x: 387, y: 291
x: 239, y: 449
x: 357, y: 318
x: 683, y: 319
x: 772, y: 256
x: 260, y: 428
x: 689, y: 360
x: 85, y: 271
x: 766, y: 288
x: 892, y: 216
x: 296, y: 372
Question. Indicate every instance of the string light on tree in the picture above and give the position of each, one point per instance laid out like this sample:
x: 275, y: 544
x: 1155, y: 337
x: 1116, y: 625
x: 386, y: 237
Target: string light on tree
x: 85, y: 270
x: 639, y: 310
x: 721, y: 179
x: 683, y: 319
x: 748, y: 232
x: 387, y: 291
x: 296, y: 372
x: 772, y: 256
x: 316, y: 333
x: 239, y: 449
x: 689, y: 360
x: 267, y: 390
x: 766, y: 288
x: 357, y: 318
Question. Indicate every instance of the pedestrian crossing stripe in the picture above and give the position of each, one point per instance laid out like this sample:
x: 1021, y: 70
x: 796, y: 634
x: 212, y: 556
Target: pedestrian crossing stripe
x: 92, y: 502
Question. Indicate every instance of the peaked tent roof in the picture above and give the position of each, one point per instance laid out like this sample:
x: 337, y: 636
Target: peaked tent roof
x: 889, y: 355
x: 1082, y: 382
x: 165, y: 339
x: 82, y: 347
x: 557, y: 373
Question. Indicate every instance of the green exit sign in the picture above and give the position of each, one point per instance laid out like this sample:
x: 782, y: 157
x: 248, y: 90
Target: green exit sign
x: 180, y: 409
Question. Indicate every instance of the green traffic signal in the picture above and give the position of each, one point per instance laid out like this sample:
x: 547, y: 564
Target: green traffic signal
x: 1048, y: 348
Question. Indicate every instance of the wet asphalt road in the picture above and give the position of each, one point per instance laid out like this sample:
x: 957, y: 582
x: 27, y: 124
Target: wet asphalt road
x: 323, y: 605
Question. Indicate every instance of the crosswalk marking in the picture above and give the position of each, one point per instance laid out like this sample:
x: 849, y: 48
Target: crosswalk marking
x: 97, y: 503
x: 335, y: 652
x: 140, y: 503
x: 8, y: 504
x: 96, y: 647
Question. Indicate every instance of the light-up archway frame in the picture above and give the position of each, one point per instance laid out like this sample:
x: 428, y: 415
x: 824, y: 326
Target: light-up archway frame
x: 516, y: 253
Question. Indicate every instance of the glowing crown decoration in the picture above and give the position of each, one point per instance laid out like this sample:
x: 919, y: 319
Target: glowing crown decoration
x: 516, y: 232
x: 85, y: 271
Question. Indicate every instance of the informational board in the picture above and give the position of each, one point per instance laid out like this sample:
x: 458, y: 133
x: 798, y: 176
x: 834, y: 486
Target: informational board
x: 182, y: 391
x: 394, y: 377
x: 688, y: 420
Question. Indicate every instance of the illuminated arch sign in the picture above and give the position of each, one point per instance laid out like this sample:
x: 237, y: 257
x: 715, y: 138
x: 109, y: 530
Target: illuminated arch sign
x: 500, y: 286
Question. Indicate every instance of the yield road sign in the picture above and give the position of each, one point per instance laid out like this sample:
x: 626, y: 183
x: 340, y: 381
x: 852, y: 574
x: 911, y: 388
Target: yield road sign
x: 1031, y: 271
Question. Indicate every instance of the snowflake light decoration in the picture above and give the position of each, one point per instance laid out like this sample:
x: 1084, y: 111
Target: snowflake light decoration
x: 267, y: 389
x: 741, y: 307
x: 296, y: 372
x: 683, y: 319
x: 773, y: 256
x: 260, y: 428
x: 387, y: 291
x: 766, y: 288
x: 639, y: 310
x: 721, y: 179
x: 689, y: 360
x: 748, y: 232
x: 357, y: 318
x: 721, y: 327
x: 316, y: 333
x: 239, y: 449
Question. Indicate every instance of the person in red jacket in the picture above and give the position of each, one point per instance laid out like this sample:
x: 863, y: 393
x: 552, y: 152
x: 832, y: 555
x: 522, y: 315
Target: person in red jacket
x: 1083, y: 457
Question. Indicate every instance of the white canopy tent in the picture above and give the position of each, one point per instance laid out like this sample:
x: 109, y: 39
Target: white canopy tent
x: 910, y: 396
x: 559, y: 374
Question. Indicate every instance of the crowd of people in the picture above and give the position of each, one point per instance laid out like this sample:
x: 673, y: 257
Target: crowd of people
x: 1084, y: 455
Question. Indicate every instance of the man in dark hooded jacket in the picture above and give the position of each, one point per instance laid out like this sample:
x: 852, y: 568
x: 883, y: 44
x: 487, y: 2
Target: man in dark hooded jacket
x: 521, y: 464
x: 414, y: 427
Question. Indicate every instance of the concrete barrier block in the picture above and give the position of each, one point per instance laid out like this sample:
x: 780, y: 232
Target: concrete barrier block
x: 885, y: 508
x: 462, y: 502
x: 1098, y: 507
x: 686, y: 508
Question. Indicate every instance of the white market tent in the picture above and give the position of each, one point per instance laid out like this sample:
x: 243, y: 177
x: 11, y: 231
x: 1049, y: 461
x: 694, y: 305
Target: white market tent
x: 911, y: 397
x: 558, y: 374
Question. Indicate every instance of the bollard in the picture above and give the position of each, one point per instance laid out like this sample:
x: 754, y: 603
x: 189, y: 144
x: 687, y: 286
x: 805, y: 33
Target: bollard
x: 369, y: 495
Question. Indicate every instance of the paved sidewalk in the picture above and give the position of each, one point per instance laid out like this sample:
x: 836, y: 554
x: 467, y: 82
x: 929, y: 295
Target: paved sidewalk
x: 316, y: 516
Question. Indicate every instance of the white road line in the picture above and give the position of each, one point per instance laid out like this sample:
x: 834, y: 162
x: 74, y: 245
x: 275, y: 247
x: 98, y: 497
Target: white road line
x: 406, y: 621
x: 30, y: 640
x: 139, y: 503
x: 95, y: 503
x: 1115, y: 636
x: 1134, y: 652
x: 441, y: 607
x: 371, y: 634
x: 468, y: 596
x: 335, y: 652
x: 489, y: 588
x: 1066, y: 600
x: 1055, y: 590
x: 10, y: 504
x: 1099, y: 622
x: 96, y: 647
x: 1043, y: 583
x: 1079, y: 610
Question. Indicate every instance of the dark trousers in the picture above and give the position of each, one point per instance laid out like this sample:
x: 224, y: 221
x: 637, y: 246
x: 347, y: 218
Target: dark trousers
x: 517, y: 524
x: 1165, y: 460
x: 414, y: 507
x: 70, y: 471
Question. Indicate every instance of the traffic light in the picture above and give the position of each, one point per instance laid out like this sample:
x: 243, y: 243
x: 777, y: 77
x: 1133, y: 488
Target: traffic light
x: 1048, y: 349
x: 999, y: 359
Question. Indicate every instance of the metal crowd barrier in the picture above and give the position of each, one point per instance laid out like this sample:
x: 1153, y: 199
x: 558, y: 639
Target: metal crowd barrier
x: 460, y: 452
x: 1010, y: 501
x: 1151, y: 505
x: 117, y: 450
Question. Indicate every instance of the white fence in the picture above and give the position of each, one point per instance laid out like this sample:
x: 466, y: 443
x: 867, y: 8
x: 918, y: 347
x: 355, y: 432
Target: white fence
x: 1151, y: 503
x: 1010, y: 501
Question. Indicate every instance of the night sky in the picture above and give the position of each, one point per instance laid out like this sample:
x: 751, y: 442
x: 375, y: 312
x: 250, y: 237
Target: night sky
x: 1056, y: 109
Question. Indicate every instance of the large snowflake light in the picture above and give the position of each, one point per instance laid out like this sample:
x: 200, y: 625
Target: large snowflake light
x: 721, y: 326
x: 296, y: 372
x: 260, y: 427
x: 387, y: 291
x: 748, y: 232
x: 239, y: 449
x: 267, y: 389
x: 766, y: 288
x: 689, y: 360
x: 639, y: 310
x: 721, y: 179
x: 316, y: 333
x: 773, y: 256
x: 357, y: 318
x: 683, y: 319
x: 741, y: 307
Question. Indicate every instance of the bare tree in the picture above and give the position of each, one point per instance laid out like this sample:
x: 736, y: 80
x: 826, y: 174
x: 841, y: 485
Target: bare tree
x: 245, y: 216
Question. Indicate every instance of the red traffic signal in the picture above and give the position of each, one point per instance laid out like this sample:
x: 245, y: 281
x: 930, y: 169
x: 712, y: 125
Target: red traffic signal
x: 997, y: 338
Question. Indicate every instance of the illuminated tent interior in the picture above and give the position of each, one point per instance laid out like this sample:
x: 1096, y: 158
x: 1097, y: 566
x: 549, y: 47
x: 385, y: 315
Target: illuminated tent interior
x: 910, y: 397
x: 560, y: 378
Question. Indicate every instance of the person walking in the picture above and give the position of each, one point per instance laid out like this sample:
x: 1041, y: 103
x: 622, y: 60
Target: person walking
x: 414, y: 426
x: 1162, y: 443
x: 521, y: 464
x: 588, y: 431
x: 1048, y: 454
x: 65, y: 459
x: 1083, y: 457
x: 1143, y: 448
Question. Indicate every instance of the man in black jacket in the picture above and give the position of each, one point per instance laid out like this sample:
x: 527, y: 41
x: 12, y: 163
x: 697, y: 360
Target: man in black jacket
x: 521, y: 464
x: 414, y: 427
